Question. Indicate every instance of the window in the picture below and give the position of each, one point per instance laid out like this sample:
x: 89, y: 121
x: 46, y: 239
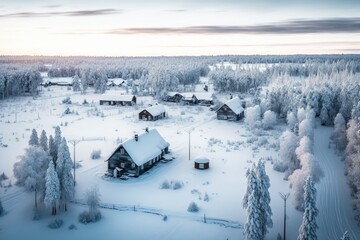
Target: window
x: 133, y: 165
x: 122, y: 151
x: 142, y: 167
x: 122, y: 165
x: 201, y: 165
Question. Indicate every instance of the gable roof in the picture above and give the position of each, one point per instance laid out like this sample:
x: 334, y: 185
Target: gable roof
x: 172, y: 94
x: 123, y: 98
x: 156, y: 110
x: 148, y: 146
x: 235, y: 105
x: 204, y: 96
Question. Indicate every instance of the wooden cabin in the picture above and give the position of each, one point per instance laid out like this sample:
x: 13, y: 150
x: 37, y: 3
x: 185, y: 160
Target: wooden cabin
x: 201, y: 163
x: 231, y: 110
x: 153, y: 113
x: 123, y: 100
x: 205, y: 99
x: 138, y: 154
x: 173, y: 97
x: 189, y: 98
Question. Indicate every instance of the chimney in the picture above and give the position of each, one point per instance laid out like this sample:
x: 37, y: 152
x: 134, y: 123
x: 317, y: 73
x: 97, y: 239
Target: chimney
x: 147, y: 129
x: 136, y: 137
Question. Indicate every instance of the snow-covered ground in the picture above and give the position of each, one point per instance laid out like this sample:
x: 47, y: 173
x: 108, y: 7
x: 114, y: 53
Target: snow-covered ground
x: 230, y: 147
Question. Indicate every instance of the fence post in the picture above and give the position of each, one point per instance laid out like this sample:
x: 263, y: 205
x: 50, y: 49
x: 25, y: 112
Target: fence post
x: 204, y: 218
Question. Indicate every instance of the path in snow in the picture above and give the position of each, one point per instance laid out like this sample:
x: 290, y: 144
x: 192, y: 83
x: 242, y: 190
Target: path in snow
x: 333, y: 196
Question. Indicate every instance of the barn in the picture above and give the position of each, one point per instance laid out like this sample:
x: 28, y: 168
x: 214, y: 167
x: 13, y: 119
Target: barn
x: 153, y: 113
x: 123, y: 100
x: 201, y: 162
x: 231, y: 110
x: 173, y: 97
x: 138, y: 154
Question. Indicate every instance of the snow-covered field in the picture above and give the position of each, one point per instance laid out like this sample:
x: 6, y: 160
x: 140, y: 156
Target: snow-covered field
x: 135, y: 208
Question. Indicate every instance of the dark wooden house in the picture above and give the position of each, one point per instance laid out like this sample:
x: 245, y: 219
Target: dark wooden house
x: 205, y: 99
x: 123, y: 100
x: 173, y: 97
x: 153, y: 113
x: 138, y: 154
x: 231, y: 110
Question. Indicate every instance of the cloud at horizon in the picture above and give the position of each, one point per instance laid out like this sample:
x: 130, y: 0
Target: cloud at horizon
x: 78, y: 13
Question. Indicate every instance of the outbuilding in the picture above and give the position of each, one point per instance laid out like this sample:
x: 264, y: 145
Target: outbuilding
x: 123, y: 100
x: 201, y: 162
x: 231, y: 110
x: 153, y: 113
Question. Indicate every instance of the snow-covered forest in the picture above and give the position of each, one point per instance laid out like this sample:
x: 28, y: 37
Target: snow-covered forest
x: 300, y: 129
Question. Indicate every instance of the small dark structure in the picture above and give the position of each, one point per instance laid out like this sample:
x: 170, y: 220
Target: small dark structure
x: 231, y: 110
x: 63, y: 81
x: 205, y: 99
x: 116, y: 82
x: 136, y: 155
x: 201, y: 163
x: 153, y: 113
x: 173, y: 97
x: 123, y: 100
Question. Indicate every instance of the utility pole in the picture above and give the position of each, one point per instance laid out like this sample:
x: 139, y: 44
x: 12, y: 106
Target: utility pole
x: 74, y: 142
x: 284, y: 197
x: 189, y: 132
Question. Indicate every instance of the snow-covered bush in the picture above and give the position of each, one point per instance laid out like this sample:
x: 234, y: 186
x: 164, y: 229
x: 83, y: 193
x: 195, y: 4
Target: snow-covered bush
x: 57, y: 223
x: 288, y: 142
x: 66, y: 100
x: 269, y: 119
x: 95, y: 154
x: 206, y: 197
x: 193, y: 207
x: 280, y: 166
x: 72, y: 227
x: 85, y: 102
x: 176, y: 184
x: 291, y: 121
x: 3, y: 176
x: 301, y: 114
x: 253, y: 116
x: 1, y: 208
x: 67, y: 111
x: 165, y: 184
x: 92, y: 200
x: 306, y: 128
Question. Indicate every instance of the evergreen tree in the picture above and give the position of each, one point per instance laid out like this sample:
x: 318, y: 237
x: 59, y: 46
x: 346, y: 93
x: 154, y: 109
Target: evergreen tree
x: 44, y: 141
x: 52, y: 192
x: 252, y: 225
x: 76, y: 83
x: 57, y: 141
x: 52, y: 149
x: 34, y: 139
x: 309, y: 226
x: 251, y: 185
x: 63, y: 169
x: 1, y: 208
x: 263, y: 184
x: 345, y: 236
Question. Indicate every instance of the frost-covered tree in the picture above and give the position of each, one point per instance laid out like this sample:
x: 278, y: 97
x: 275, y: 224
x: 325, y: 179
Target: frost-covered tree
x: 76, y: 84
x: 288, y: 144
x: 309, y: 226
x: 339, y: 134
x: 34, y: 139
x: 30, y: 171
x: 57, y: 141
x: 52, y: 149
x: 291, y: 121
x: 253, y: 116
x: 44, y: 141
x: 269, y: 119
x: 52, y: 192
x: 250, y: 186
x: 301, y: 114
x: 64, y: 169
x: 92, y: 197
x: 306, y: 129
x: 263, y: 184
x: 252, y: 227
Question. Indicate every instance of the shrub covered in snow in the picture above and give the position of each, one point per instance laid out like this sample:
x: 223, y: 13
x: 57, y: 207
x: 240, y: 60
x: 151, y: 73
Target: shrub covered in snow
x: 89, y: 217
x: 67, y: 100
x: 269, y: 119
x: 57, y: 223
x: 165, y: 184
x: 95, y: 154
x: 67, y: 111
x: 193, y: 207
x: 3, y: 176
x: 93, y: 201
x: 176, y: 184
x: 72, y: 227
x: 253, y: 116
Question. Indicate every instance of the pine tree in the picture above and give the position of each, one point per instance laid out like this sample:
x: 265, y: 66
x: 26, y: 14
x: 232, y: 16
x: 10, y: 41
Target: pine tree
x: 251, y: 185
x: 63, y: 169
x: 52, y: 149
x: 345, y: 236
x: 57, y: 138
x: 76, y: 83
x: 252, y: 225
x: 34, y: 139
x: 44, y: 141
x: 309, y: 226
x: 263, y: 184
x: 52, y: 192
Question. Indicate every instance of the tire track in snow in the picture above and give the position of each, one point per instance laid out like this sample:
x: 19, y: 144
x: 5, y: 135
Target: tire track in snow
x: 333, y: 194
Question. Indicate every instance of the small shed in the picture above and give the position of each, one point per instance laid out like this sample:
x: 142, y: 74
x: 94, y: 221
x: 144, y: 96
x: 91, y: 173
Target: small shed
x: 201, y: 162
x: 153, y: 113
x: 173, y: 97
x: 205, y: 99
x: 123, y: 100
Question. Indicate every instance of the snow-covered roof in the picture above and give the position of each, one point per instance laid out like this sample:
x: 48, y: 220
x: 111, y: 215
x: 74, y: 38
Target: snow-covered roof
x: 172, y: 94
x: 235, y: 105
x: 156, y: 110
x: 124, y: 98
x: 147, y: 147
x: 187, y: 95
x: 201, y: 159
x: 204, y: 96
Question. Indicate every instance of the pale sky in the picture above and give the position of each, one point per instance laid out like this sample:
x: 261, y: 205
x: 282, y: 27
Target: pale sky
x: 178, y: 27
